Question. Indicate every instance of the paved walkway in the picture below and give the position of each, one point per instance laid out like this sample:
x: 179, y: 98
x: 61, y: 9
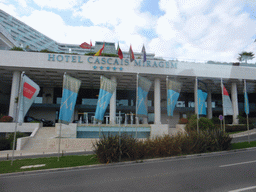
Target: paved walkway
x: 245, y: 133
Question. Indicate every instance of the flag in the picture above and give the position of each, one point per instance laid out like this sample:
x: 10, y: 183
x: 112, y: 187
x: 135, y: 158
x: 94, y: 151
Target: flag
x: 201, y: 97
x: 100, y: 51
x: 119, y: 52
x: 227, y: 105
x: 131, y: 54
x: 107, y: 88
x: 173, y: 93
x: 144, y: 53
x: 86, y: 45
x: 142, y: 91
x: 27, y: 95
x: 90, y: 43
x: 246, y: 101
x: 69, y: 95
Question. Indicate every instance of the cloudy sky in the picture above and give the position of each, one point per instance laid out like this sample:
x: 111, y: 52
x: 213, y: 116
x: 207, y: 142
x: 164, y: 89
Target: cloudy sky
x: 199, y: 30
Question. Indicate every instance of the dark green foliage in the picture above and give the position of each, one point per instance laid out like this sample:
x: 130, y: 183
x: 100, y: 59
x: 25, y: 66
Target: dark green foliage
x: 46, y: 51
x: 242, y: 120
x: 203, y: 124
x: 11, y: 136
x: 107, y: 149
x: 5, y: 144
x: 17, y: 49
x: 90, y: 53
x: 215, y: 120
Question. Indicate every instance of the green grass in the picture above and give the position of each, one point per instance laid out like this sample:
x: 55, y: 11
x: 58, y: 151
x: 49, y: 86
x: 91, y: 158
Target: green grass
x: 243, y: 145
x: 51, y: 162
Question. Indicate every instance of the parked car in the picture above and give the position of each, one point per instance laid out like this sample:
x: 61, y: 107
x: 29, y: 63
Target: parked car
x: 46, y: 123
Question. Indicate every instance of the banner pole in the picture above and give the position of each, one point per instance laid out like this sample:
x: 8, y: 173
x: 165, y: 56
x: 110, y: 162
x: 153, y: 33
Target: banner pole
x: 246, y: 110
x: 221, y: 85
x: 197, y: 115
x: 59, y: 143
x: 17, y: 115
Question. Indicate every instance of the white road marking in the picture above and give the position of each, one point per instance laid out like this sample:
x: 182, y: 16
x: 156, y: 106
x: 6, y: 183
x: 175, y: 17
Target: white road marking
x: 243, y: 189
x: 241, y: 163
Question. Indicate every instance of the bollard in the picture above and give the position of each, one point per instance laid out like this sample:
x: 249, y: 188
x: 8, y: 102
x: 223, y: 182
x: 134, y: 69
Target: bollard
x: 7, y: 156
x: 62, y: 153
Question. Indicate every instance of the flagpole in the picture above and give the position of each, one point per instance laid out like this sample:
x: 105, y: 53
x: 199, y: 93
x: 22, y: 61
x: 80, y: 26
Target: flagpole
x: 17, y: 116
x: 60, y: 123
x: 167, y: 86
x: 137, y: 95
x: 222, y: 105
x: 247, y: 118
x: 197, y: 115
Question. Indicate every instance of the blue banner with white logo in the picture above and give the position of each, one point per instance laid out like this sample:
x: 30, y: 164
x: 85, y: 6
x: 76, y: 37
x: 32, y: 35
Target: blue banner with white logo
x: 202, y: 96
x: 142, y: 92
x: 107, y: 88
x: 173, y: 93
x: 246, y: 101
x: 69, y: 95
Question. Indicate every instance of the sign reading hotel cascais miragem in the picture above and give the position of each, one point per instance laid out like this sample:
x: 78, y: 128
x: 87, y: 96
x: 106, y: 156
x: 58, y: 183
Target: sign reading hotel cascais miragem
x: 111, y: 61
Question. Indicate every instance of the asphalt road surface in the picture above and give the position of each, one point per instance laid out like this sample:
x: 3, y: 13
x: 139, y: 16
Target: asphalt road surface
x: 228, y: 171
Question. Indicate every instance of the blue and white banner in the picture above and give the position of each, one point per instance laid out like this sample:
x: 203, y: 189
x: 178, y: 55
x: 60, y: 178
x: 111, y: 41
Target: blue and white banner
x: 173, y: 93
x: 27, y: 95
x: 201, y: 96
x: 142, y: 92
x: 107, y: 88
x: 246, y: 101
x: 71, y: 87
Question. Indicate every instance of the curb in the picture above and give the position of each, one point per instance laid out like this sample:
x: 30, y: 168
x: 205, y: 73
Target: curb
x: 127, y: 162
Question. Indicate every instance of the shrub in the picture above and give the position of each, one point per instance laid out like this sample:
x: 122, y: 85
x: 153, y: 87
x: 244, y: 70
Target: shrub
x: 11, y: 137
x: 183, y: 121
x: 215, y: 120
x: 242, y: 120
x: 17, y: 49
x: 5, y: 144
x: 6, y: 119
x: 203, y: 124
x: 108, y: 149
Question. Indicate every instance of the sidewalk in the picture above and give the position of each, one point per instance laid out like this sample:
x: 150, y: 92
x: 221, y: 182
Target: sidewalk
x: 245, y: 133
x: 31, y: 153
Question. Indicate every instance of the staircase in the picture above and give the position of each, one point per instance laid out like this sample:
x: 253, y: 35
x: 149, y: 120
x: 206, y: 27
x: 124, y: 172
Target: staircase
x: 39, y: 142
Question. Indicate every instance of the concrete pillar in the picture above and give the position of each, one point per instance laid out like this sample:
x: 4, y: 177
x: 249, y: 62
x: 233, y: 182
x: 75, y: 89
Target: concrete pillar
x: 234, y: 103
x: 157, y: 101
x: 112, y: 106
x: 14, y: 94
x: 195, y: 97
x: 209, y: 104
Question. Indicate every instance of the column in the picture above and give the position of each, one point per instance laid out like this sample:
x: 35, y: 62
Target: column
x: 234, y: 103
x: 157, y: 101
x: 195, y: 97
x: 209, y: 104
x: 14, y: 94
x: 112, y: 106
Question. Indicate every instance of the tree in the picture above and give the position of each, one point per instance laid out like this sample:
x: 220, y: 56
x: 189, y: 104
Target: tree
x: 245, y: 56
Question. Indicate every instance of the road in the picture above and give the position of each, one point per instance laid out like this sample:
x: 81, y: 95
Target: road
x: 226, y: 171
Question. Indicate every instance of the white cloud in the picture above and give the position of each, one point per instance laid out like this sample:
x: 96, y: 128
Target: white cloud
x: 57, y: 4
x: 220, y: 34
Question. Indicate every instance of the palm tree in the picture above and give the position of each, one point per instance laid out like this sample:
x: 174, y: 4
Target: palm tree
x: 245, y: 56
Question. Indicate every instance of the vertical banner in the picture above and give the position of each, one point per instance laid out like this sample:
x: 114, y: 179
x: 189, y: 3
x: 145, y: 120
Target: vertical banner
x: 246, y: 101
x: 201, y: 96
x: 227, y: 104
x: 173, y: 93
x: 71, y: 87
x: 142, y: 92
x: 107, y: 88
x: 28, y: 93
